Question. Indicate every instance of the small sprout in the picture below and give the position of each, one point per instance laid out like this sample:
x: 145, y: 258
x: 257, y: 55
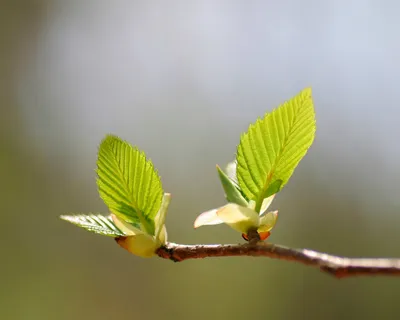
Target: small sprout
x: 139, y: 242
x: 241, y: 219
x: 266, y: 157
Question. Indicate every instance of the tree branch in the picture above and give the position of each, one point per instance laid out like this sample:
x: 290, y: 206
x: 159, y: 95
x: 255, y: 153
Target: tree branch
x: 340, y: 267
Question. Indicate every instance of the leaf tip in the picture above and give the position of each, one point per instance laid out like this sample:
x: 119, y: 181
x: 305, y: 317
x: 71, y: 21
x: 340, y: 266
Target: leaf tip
x: 64, y: 217
x: 197, y: 223
x: 207, y: 218
x: 70, y: 218
x: 108, y: 138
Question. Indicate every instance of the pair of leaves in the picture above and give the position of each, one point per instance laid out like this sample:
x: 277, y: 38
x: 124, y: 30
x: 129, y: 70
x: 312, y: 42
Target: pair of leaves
x: 270, y: 150
x: 129, y: 186
x: 266, y: 157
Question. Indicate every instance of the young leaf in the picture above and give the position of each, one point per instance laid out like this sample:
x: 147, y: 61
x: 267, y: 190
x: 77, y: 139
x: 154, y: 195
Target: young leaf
x: 239, y: 218
x: 96, y: 223
x: 128, y: 183
x: 232, y: 192
x: 159, y: 220
x: 231, y: 171
x: 273, y: 146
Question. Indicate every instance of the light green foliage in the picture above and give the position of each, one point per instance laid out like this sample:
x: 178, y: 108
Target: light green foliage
x: 128, y: 183
x: 232, y: 191
x: 273, y: 146
x: 266, y: 157
x: 95, y: 223
x: 132, y: 190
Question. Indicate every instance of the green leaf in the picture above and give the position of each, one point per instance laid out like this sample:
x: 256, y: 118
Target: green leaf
x: 232, y: 192
x: 273, y: 188
x: 273, y: 146
x: 96, y: 223
x: 159, y: 220
x: 128, y: 183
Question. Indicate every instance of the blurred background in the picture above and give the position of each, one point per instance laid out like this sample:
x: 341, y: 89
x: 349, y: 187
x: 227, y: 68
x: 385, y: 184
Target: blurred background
x: 182, y: 80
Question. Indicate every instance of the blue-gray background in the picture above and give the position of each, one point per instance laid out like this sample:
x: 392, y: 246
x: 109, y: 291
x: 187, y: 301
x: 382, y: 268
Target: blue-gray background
x: 182, y: 80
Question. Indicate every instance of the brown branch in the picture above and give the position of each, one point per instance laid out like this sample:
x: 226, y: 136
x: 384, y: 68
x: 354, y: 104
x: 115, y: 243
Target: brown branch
x: 339, y: 267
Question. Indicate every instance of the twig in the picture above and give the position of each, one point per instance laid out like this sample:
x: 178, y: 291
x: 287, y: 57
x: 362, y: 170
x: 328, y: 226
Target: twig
x: 340, y: 267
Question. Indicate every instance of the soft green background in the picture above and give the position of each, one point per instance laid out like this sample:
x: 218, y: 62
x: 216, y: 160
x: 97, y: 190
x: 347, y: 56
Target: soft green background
x: 182, y: 80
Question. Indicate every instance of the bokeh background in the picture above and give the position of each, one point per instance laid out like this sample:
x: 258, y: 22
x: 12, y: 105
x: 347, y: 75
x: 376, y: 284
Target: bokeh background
x: 182, y: 80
